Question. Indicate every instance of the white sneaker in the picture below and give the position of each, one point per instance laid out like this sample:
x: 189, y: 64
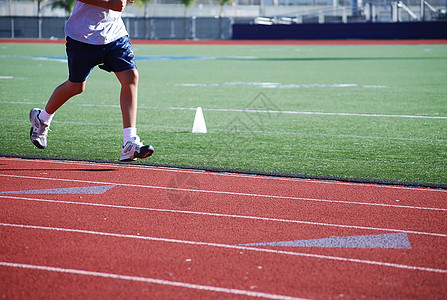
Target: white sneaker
x: 135, y: 149
x: 39, y: 130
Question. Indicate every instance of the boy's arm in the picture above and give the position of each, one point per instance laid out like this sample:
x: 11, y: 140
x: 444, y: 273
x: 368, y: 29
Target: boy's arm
x: 117, y: 5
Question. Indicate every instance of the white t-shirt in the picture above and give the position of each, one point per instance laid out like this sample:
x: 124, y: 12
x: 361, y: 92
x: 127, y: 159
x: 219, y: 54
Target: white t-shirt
x: 94, y: 25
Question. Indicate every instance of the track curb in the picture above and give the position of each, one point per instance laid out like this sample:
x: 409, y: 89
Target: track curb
x: 248, y: 172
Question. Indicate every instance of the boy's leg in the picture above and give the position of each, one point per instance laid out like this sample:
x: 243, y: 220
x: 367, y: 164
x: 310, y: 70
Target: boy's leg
x: 41, y: 120
x: 63, y: 93
x: 129, y: 96
x: 132, y: 148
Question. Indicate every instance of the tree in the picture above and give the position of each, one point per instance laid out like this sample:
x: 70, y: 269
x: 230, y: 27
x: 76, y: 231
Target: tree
x: 146, y: 8
x: 145, y: 4
x: 186, y: 3
x: 67, y: 5
x: 39, y: 7
x: 221, y: 13
x: 222, y: 3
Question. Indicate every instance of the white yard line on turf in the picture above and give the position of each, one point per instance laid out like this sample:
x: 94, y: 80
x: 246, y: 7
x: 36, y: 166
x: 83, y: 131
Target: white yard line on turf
x: 346, y: 114
x: 266, y: 132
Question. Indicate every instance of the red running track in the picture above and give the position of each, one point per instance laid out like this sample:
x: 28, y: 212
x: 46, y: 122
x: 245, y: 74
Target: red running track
x: 89, y: 230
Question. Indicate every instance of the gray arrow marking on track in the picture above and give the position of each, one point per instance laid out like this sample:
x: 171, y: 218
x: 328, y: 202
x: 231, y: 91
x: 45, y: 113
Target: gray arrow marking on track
x: 101, y: 189
x: 389, y: 240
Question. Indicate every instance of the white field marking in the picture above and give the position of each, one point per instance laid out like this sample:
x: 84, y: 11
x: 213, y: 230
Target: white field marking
x: 270, y: 85
x: 325, y: 113
x: 304, y: 112
x: 57, y: 59
x: 253, y: 131
x: 230, y: 193
x: 226, y: 216
x: 255, y: 111
x: 103, y: 124
x: 265, y: 132
x: 11, y: 77
x: 22, y: 102
x: 202, y: 172
x: 249, y: 131
x: 227, y: 246
x: 186, y: 285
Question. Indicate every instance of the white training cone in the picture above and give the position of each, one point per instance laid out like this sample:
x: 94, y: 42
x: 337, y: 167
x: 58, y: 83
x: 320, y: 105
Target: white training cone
x: 199, y: 122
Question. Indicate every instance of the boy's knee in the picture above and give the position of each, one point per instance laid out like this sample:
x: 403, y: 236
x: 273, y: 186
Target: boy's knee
x: 132, y: 76
x: 128, y: 77
x: 136, y: 75
x: 76, y: 87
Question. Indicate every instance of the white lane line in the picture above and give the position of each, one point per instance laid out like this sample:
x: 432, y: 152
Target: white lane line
x: 202, y: 172
x: 231, y: 193
x: 351, y: 136
x: 235, y: 247
x: 309, y: 113
x: 265, y: 132
x: 343, y: 114
x: 193, y: 286
x: 227, y: 216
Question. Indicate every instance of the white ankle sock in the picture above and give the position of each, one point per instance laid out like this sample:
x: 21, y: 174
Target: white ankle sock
x: 129, y: 133
x: 46, y: 117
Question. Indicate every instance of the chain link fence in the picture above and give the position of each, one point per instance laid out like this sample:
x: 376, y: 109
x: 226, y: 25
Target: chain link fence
x: 138, y: 28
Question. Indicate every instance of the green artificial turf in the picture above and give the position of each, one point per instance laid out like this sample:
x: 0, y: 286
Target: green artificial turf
x: 377, y: 112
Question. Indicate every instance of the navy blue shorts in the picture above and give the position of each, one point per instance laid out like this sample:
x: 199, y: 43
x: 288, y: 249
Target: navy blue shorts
x: 113, y: 57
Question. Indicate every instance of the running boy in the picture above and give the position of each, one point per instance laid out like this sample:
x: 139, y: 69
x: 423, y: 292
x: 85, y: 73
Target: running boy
x: 96, y: 35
